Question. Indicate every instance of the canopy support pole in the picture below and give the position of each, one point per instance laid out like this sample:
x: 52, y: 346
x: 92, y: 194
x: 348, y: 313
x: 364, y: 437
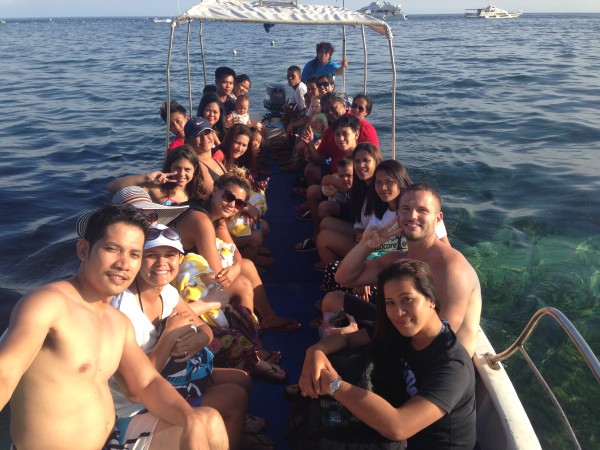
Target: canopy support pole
x: 202, y: 51
x: 393, y: 94
x: 364, y: 39
x: 168, y: 103
x: 189, y: 71
x: 343, y: 57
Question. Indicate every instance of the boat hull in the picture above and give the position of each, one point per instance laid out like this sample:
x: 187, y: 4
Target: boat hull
x: 502, y: 423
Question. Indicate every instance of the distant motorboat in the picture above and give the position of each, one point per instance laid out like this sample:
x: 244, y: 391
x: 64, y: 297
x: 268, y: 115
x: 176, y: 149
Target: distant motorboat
x: 383, y: 10
x: 2, y: 21
x: 161, y: 20
x: 491, y: 12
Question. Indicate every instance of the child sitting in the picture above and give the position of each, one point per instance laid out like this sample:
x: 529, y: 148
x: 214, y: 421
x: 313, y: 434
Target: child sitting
x: 318, y: 120
x: 177, y: 120
x: 240, y: 115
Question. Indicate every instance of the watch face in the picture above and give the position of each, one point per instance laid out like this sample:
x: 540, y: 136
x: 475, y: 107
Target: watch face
x: 334, y: 385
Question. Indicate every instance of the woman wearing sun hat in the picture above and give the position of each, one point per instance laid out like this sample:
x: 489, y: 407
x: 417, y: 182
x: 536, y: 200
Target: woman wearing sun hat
x: 140, y: 199
x: 166, y: 328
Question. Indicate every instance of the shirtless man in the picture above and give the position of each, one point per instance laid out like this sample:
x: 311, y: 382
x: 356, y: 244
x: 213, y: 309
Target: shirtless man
x: 64, y: 342
x: 455, y: 279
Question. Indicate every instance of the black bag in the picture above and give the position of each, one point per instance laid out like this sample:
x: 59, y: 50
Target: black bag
x: 325, y: 423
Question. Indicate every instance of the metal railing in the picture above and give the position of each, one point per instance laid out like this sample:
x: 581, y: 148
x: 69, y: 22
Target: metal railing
x: 585, y: 350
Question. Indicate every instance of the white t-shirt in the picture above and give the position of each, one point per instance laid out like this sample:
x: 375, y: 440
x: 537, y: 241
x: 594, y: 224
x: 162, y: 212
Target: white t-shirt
x: 146, y: 337
x: 297, y: 97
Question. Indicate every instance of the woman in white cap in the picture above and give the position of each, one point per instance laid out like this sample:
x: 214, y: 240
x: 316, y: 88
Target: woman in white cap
x: 167, y: 329
x: 179, y: 180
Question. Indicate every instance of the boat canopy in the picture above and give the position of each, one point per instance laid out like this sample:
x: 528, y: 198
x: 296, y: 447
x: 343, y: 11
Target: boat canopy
x: 287, y: 12
x: 281, y: 13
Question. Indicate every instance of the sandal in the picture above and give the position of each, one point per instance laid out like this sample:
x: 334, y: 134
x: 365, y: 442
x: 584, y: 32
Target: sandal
x: 299, y: 190
x: 291, y: 391
x: 254, y: 424
x: 306, y: 215
x: 264, y: 261
x: 307, y: 245
x: 320, y: 266
x: 270, y: 356
x: 287, y: 325
x: 316, y: 322
x: 269, y: 372
x: 301, y: 207
x: 257, y: 442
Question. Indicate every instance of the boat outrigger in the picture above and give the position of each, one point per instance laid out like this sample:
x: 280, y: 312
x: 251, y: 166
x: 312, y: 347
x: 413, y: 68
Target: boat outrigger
x: 502, y: 422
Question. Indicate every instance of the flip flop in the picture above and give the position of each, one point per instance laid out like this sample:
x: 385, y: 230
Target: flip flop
x: 320, y: 266
x: 288, y: 326
x: 257, y: 442
x: 255, y: 424
x: 270, y: 356
x: 316, y: 322
x: 307, y: 245
x: 291, y: 391
x: 269, y: 372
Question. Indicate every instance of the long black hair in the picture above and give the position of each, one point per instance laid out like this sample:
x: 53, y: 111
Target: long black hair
x: 360, y: 189
x: 208, y: 98
x: 397, y: 171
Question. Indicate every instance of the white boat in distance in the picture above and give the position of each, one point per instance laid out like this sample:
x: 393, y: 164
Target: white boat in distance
x: 383, y: 10
x: 162, y: 20
x: 491, y: 12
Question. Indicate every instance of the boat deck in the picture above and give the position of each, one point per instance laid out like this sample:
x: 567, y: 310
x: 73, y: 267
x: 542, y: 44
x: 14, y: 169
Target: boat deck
x: 293, y: 287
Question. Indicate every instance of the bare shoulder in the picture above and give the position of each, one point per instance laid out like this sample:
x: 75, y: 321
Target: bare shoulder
x: 452, y: 257
x: 51, y: 298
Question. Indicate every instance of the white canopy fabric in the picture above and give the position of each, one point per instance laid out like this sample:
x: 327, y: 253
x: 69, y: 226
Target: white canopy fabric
x: 282, y: 13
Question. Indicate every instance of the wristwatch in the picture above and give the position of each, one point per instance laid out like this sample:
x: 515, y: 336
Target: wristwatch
x: 334, y: 385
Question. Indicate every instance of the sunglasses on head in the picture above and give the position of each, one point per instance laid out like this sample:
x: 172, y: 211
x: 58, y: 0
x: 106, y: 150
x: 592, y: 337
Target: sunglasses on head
x: 229, y: 197
x: 360, y: 108
x: 170, y: 233
x: 323, y: 84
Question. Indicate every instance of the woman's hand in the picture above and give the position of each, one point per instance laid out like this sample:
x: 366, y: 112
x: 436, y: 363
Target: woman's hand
x: 314, y: 363
x: 229, y: 120
x: 190, y: 343
x: 216, y: 294
x: 358, y: 234
x: 307, y: 135
x: 158, y: 177
x: 227, y: 275
x: 374, y: 237
x: 327, y: 376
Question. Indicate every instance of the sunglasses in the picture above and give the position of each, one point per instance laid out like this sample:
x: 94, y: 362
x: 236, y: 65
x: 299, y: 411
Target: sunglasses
x: 170, y: 233
x: 360, y: 108
x: 324, y: 84
x: 229, y: 197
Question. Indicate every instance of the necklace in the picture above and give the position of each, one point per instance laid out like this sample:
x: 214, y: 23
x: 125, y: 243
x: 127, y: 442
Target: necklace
x: 162, y: 306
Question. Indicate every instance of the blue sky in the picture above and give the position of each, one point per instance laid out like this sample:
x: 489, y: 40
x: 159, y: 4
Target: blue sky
x: 144, y: 8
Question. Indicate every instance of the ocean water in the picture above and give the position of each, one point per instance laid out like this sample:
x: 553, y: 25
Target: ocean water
x: 502, y: 116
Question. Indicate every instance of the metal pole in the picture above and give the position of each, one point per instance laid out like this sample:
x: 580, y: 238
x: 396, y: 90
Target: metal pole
x: 202, y: 50
x: 364, y: 39
x: 173, y: 25
x: 187, y: 50
x: 390, y: 40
